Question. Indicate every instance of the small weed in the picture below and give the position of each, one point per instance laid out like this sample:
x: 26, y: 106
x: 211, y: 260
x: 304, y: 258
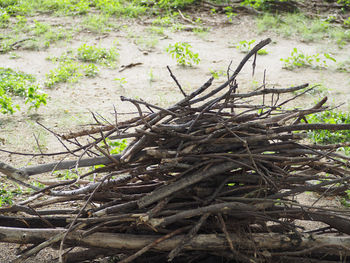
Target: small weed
x: 182, y: 53
x: 7, y: 194
x: 245, y: 46
x: 151, y: 76
x: 216, y: 74
x: 14, y: 55
x: 120, y: 81
x: 18, y: 84
x: 229, y: 13
x: 36, y: 184
x: 67, y: 71
x: 262, y: 52
x: 66, y: 175
x: 4, y: 18
x: 299, y: 59
x: 113, y: 147
x: 116, y: 146
x: 94, y: 54
x: 347, y: 22
x: 91, y: 70
x: 344, y: 66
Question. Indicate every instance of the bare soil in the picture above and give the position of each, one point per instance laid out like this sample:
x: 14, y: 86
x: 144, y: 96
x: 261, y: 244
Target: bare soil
x: 69, y: 105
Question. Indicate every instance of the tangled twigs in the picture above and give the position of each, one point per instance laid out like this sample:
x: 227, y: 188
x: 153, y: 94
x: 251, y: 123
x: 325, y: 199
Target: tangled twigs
x: 214, y: 175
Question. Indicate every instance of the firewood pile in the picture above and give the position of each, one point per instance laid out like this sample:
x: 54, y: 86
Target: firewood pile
x: 214, y: 178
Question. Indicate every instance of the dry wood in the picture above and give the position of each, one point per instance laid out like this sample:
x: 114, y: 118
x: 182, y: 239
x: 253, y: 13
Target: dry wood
x: 203, y: 241
x: 216, y: 173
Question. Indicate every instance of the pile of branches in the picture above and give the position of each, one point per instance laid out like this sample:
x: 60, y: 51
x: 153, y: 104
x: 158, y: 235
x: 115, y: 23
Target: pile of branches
x: 213, y: 178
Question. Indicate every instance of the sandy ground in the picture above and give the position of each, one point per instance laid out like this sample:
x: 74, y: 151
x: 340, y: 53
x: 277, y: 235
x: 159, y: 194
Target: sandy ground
x: 69, y: 105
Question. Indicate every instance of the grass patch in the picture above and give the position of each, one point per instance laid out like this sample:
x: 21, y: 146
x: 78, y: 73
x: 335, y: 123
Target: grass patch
x: 94, y: 54
x: 308, y: 30
x: 67, y: 71
x: 74, y: 65
x: 19, y: 84
x: 32, y: 35
x: 98, y: 23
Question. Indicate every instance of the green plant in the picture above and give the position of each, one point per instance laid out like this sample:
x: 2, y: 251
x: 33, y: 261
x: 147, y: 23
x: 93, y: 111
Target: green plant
x: 299, y: 59
x: 182, y: 53
x: 262, y: 52
x: 327, y: 136
x: 113, y: 147
x: 229, y: 13
x: 7, y: 194
x: 91, y: 70
x: 217, y: 73
x: 66, y: 175
x: 347, y: 22
x: 36, y: 184
x: 67, y: 71
x: 4, y: 18
x: 18, y: 84
x: 95, y: 54
x: 120, y: 81
x: 245, y: 46
x: 116, y: 146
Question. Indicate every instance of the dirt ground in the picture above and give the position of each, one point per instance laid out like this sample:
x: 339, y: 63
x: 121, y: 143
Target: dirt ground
x: 70, y: 105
